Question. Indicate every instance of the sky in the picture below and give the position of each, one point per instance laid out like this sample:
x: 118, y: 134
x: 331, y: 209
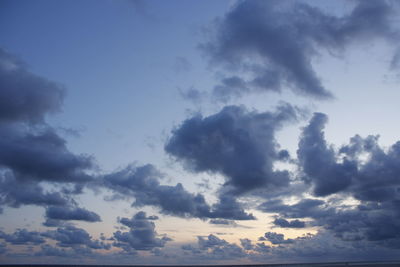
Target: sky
x: 199, y: 132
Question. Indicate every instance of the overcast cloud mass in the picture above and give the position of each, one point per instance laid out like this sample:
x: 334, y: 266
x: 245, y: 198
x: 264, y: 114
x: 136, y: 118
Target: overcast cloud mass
x: 232, y: 132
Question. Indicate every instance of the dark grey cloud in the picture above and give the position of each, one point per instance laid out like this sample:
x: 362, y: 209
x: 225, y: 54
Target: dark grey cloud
x: 51, y: 251
x: 232, y: 86
x: 32, y: 153
x: 377, y: 179
x: 373, y: 181
x: 312, y: 208
x: 25, y: 96
x: 143, y: 183
x: 141, y: 234
x: 305, y: 248
x: 71, y: 236
x: 212, y: 247
x: 281, y: 222
x: 342, y: 170
x: 236, y: 143
x: 56, y: 223
x: 192, y: 94
x: 182, y: 64
x: 23, y: 237
x: 277, y: 239
x: 40, y: 155
x: 227, y: 223
x: 3, y: 248
x: 318, y: 160
x: 65, y: 213
x: 14, y: 193
x: 228, y: 207
x: 274, y: 43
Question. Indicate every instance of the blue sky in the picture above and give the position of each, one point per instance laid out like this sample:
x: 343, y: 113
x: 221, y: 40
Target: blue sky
x: 172, y: 132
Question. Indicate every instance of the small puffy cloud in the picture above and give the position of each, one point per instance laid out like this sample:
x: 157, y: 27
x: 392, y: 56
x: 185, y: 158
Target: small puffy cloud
x: 289, y: 224
x: 71, y: 236
x: 318, y: 160
x: 212, y: 247
x: 141, y: 234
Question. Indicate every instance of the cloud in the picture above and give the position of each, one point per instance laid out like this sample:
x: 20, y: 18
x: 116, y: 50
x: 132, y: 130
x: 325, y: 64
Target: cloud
x: 143, y: 184
x: 360, y: 170
x: 3, y: 248
x: 23, y: 237
x: 376, y: 179
x: 228, y: 207
x: 236, y: 143
x: 71, y: 236
x: 313, y: 208
x: 289, y: 224
x: 15, y: 193
x: 318, y: 160
x: 275, y: 42
x: 221, y: 222
x: 141, y: 234
x: 56, y: 223
x: 137, y: 220
x: 213, y: 247
x: 65, y: 213
x: 25, y: 96
x: 246, y: 244
x: 210, y: 241
x: 227, y: 223
x: 50, y: 251
x: 192, y: 94
x: 32, y: 153
x: 277, y: 239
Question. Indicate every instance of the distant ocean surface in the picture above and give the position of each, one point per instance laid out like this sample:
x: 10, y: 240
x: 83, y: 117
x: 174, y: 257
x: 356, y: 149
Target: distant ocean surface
x: 330, y: 264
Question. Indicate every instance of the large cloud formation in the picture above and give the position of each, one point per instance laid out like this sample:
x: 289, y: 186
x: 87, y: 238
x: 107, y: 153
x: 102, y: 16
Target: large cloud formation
x: 236, y: 143
x: 141, y: 235
x: 31, y: 152
x: 274, y: 42
x: 352, y: 194
x: 143, y: 183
